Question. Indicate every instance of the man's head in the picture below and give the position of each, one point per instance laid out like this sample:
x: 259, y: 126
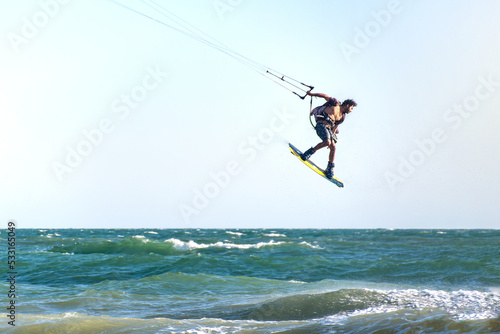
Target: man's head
x: 348, y: 105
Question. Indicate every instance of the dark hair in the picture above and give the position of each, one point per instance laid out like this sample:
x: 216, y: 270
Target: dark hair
x: 349, y: 102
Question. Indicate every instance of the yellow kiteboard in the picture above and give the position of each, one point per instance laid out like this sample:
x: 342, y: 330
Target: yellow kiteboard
x: 295, y: 151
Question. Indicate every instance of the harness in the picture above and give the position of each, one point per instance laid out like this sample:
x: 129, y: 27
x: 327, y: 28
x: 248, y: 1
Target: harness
x: 320, y: 116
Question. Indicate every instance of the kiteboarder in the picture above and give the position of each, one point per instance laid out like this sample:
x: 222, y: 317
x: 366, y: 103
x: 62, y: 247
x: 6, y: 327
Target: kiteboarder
x: 328, y: 118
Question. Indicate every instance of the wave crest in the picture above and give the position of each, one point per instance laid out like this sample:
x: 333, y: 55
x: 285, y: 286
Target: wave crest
x: 130, y: 245
x: 139, y: 244
x: 314, y: 306
x: 190, y: 245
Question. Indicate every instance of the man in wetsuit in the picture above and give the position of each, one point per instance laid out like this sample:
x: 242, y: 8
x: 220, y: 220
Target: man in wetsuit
x: 328, y: 117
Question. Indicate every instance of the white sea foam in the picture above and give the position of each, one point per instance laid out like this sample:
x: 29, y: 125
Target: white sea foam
x: 234, y: 233
x: 311, y: 245
x: 189, y: 245
x: 463, y: 304
x: 218, y: 329
x: 275, y: 235
x: 141, y: 237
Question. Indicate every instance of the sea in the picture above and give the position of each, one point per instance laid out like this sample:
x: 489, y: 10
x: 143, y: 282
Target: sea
x: 252, y: 281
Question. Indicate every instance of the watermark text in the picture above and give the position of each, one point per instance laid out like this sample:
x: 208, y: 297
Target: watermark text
x: 11, y: 273
x: 454, y: 117
x: 247, y: 150
x: 372, y: 29
x: 122, y: 107
x: 32, y: 26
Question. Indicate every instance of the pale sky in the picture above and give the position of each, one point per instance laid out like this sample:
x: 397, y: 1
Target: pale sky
x: 112, y: 120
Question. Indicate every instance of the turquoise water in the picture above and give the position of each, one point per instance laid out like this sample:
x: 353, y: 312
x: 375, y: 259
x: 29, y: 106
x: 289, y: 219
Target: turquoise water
x: 256, y: 281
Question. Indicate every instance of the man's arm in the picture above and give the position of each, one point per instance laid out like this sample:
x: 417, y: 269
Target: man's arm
x: 329, y: 111
x: 326, y: 97
x: 335, y: 128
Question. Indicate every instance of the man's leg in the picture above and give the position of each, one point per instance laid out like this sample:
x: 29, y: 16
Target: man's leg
x: 325, y: 135
x: 332, y: 148
x: 307, y: 154
x: 331, y: 157
x: 321, y: 145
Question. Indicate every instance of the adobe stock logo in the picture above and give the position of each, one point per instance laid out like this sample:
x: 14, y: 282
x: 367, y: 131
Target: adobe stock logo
x: 247, y: 150
x: 224, y: 6
x: 92, y: 138
x: 32, y: 26
x: 372, y: 29
x: 455, y: 117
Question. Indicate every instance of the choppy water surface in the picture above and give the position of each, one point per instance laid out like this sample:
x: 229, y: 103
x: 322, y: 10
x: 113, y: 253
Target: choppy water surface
x: 257, y: 281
